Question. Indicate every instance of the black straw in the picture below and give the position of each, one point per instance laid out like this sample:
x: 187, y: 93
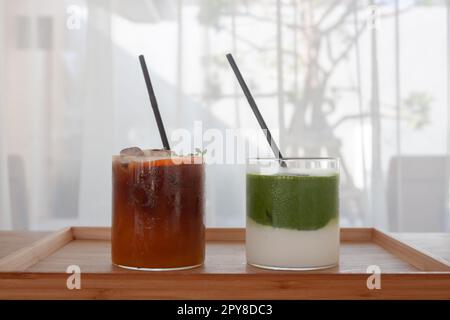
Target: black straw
x: 255, y: 109
x: 154, y: 103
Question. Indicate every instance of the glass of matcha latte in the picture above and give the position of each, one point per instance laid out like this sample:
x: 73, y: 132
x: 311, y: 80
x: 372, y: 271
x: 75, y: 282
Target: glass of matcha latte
x: 292, y: 213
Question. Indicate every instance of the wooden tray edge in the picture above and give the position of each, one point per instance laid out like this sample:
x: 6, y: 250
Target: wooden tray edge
x: 36, y: 251
x: 223, y: 286
x: 419, y: 258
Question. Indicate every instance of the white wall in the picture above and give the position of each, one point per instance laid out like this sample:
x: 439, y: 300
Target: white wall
x: 67, y: 110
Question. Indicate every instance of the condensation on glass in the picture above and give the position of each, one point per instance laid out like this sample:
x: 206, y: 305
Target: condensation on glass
x: 158, y: 213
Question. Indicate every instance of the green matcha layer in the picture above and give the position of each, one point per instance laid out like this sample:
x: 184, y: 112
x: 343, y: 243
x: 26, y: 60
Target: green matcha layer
x: 292, y: 201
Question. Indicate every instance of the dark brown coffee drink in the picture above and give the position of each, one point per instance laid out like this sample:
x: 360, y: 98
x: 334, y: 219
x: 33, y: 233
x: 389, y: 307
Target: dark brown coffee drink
x: 158, y: 211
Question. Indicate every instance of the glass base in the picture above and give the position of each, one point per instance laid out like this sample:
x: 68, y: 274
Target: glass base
x: 159, y: 269
x: 292, y: 268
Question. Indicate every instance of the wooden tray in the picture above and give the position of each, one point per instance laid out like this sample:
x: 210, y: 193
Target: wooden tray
x: 38, y: 271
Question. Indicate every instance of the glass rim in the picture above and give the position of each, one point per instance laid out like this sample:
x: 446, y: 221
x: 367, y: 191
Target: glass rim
x: 294, y: 158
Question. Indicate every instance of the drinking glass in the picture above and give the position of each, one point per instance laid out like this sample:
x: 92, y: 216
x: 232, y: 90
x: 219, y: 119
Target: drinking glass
x: 157, y: 212
x: 292, y: 213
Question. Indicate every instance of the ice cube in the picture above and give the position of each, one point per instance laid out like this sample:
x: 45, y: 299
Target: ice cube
x: 133, y: 151
x: 124, y: 161
x: 143, y: 195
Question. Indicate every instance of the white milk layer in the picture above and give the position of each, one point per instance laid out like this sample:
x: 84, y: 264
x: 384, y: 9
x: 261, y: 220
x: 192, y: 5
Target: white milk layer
x: 291, y: 249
